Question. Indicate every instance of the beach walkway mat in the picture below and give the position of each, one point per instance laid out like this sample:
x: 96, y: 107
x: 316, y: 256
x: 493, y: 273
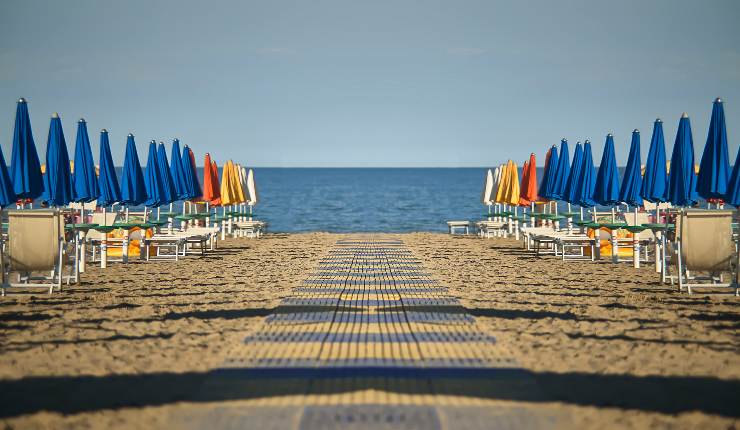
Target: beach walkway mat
x: 370, y: 341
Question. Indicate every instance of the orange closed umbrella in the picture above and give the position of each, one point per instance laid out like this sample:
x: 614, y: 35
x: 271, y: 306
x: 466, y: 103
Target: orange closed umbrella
x: 216, y: 200
x: 211, y: 190
x: 528, y: 193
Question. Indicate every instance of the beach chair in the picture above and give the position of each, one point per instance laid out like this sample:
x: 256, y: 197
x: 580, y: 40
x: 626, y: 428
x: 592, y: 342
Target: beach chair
x: 36, y: 245
x: 490, y: 229
x: 704, y: 243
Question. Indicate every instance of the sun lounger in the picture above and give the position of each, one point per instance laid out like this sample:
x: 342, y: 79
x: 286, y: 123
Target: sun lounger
x: 704, y: 243
x: 178, y: 243
x: 248, y: 228
x: 36, y: 244
x: 490, y: 229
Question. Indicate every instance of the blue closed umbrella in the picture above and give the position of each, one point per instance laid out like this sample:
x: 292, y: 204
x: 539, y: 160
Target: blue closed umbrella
x: 632, y: 182
x: 25, y: 168
x: 570, y: 194
x: 714, y: 168
x: 606, y: 191
x: 190, y: 175
x: 547, y: 186
x: 586, y: 180
x: 7, y: 195
x: 732, y: 196
x: 682, y: 180
x: 84, y: 180
x: 176, y: 170
x: 110, y: 191
x: 57, y: 180
x: 563, y: 171
x: 133, y: 190
x: 153, y: 179
x: 655, y: 181
x: 170, y: 193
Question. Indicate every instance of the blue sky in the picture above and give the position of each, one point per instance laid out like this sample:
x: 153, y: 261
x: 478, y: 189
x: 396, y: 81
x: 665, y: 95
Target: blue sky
x: 375, y: 83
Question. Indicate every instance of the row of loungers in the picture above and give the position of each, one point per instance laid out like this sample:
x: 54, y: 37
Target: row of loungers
x: 698, y: 250
x: 39, y: 251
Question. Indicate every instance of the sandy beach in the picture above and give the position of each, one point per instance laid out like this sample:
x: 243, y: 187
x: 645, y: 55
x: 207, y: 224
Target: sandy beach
x: 608, y: 345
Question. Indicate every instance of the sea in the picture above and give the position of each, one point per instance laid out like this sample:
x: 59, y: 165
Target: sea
x: 352, y: 200
x: 348, y: 200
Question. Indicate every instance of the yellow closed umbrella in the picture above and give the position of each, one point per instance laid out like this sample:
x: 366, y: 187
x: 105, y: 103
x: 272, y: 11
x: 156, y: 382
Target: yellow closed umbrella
x: 228, y: 187
x: 241, y: 196
x: 511, y: 193
x: 501, y: 192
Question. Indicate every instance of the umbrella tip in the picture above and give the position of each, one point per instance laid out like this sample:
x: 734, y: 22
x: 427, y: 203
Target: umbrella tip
x: 684, y: 115
x: 609, y: 135
x: 21, y: 100
x: 658, y: 120
x: 635, y: 131
x: 104, y: 131
x: 153, y: 141
x: 55, y: 115
x: 81, y: 120
x: 130, y: 135
x: 718, y: 100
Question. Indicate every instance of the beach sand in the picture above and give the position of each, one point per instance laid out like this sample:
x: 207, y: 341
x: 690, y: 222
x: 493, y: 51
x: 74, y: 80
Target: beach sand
x: 609, y: 345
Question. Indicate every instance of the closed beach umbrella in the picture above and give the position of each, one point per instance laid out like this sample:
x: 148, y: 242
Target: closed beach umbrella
x: 511, y: 195
x: 562, y: 172
x: 254, y: 197
x: 176, y: 171
x: 170, y: 192
x: 155, y: 191
x: 632, y: 182
x: 241, y: 196
x: 7, y: 195
x: 216, y: 201
x: 655, y: 180
x: 732, y: 196
x: 487, y: 188
x: 84, y: 179
x: 528, y: 192
x: 192, y: 186
x: 547, y: 186
x: 606, y: 191
x: 682, y: 180
x: 57, y: 180
x: 586, y: 180
x: 210, y: 184
x: 570, y: 194
x: 502, y: 184
x: 110, y: 191
x: 25, y: 168
x: 714, y: 168
x: 228, y: 187
x: 133, y: 189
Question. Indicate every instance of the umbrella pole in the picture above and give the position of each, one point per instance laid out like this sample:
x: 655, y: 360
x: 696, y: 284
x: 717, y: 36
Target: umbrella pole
x: 104, y: 243
x: 516, y: 222
x: 636, y: 245
x: 531, y: 214
x: 82, y: 244
x: 597, y: 239
x: 124, y: 249
x: 658, y: 242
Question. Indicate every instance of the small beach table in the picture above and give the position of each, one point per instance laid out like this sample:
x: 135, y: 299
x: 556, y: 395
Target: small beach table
x: 458, y: 225
x: 80, y: 234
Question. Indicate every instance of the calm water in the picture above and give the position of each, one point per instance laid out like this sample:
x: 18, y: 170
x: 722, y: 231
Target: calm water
x: 367, y: 200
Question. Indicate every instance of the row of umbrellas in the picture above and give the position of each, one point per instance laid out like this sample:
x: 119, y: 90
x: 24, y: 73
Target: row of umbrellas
x: 162, y: 182
x: 578, y: 182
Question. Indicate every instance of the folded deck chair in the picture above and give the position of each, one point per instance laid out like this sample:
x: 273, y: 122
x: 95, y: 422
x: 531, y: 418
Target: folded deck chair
x: 35, y: 246
x: 704, y: 243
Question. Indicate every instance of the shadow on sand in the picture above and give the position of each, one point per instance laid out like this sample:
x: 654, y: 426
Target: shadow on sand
x: 76, y: 394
